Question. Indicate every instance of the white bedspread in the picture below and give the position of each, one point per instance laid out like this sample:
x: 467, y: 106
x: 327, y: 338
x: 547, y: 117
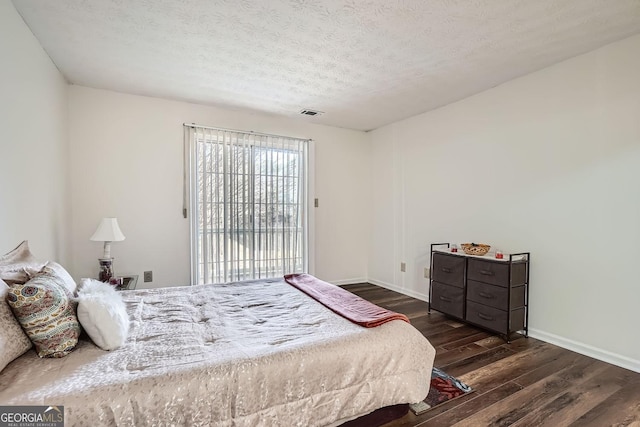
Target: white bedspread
x: 254, y: 354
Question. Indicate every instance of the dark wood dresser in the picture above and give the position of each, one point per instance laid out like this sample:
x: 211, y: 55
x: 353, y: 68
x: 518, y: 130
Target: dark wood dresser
x: 481, y: 290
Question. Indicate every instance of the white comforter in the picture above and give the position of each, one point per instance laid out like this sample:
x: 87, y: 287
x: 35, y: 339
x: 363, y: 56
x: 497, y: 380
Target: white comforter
x: 254, y: 354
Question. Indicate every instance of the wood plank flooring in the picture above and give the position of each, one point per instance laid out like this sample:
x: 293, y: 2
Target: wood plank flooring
x: 525, y: 383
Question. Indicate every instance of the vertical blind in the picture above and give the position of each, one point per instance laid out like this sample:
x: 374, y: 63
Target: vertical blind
x: 248, y: 201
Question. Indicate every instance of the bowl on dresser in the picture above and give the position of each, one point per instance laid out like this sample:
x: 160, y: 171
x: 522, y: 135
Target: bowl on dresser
x: 478, y: 249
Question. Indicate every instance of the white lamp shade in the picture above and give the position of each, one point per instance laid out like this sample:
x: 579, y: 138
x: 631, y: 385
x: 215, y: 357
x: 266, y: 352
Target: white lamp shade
x: 108, y: 231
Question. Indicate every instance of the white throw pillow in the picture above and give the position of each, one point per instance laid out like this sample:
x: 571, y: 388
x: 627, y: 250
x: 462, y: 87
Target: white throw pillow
x: 103, y: 314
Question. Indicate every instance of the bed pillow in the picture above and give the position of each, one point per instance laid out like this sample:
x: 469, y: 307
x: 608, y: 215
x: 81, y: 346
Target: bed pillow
x: 12, y: 264
x: 102, y: 314
x: 13, y: 341
x: 46, y: 311
x: 57, y: 270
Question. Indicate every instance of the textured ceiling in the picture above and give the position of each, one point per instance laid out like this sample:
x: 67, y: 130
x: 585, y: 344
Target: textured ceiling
x: 365, y: 63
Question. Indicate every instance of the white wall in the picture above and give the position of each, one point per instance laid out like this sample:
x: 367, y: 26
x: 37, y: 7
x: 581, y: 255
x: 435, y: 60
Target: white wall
x: 33, y: 144
x: 126, y: 161
x: 548, y: 163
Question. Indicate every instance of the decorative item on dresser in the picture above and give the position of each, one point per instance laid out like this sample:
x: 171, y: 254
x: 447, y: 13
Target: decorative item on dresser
x: 489, y: 292
x: 475, y: 248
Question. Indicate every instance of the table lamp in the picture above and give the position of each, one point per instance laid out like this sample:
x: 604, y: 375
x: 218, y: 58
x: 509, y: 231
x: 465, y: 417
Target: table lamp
x: 108, y: 231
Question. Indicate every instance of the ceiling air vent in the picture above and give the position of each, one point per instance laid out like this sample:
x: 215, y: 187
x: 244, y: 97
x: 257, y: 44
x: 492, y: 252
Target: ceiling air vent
x: 311, y: 112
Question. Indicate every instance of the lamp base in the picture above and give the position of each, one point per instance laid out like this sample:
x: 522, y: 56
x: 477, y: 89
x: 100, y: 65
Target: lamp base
x: 106, y: 269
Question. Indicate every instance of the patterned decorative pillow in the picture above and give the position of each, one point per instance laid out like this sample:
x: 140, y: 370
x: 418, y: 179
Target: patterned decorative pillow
x: 54, y: 269
x: 13, y: 341
x: 12, y: 264
x: 47, y: 313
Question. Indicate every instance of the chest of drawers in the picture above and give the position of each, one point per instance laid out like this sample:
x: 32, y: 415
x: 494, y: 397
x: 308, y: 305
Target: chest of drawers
x: 483, y: 291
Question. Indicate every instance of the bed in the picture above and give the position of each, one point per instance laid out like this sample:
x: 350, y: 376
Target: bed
x: 241, y: 354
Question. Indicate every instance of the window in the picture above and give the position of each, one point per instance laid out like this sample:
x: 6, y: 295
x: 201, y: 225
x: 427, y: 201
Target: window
x: 248, y: 203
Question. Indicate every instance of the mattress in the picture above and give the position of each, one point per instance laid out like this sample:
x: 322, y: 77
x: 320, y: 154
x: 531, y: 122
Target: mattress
x: 241, y: 354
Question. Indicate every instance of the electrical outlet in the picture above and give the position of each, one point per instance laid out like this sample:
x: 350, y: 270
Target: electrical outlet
x: 427, y: 273
x: 403, y: 267
x: 148, y: 276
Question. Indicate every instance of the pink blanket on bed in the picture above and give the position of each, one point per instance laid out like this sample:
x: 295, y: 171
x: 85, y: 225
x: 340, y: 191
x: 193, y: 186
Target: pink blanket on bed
x: 343, y: 302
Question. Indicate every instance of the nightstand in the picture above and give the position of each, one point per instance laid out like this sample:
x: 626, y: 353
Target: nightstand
x: 128, y: 282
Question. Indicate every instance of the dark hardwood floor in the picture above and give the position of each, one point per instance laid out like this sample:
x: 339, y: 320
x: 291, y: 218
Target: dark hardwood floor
x: 525, y: 383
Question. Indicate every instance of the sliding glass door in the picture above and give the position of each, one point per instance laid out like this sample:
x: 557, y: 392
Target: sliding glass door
x: 248, y: 203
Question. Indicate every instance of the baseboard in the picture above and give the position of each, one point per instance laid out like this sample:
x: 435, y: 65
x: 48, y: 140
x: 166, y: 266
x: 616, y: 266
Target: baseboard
x: 587, y: 350
x: 350, y: 281
x: 408, y: 292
